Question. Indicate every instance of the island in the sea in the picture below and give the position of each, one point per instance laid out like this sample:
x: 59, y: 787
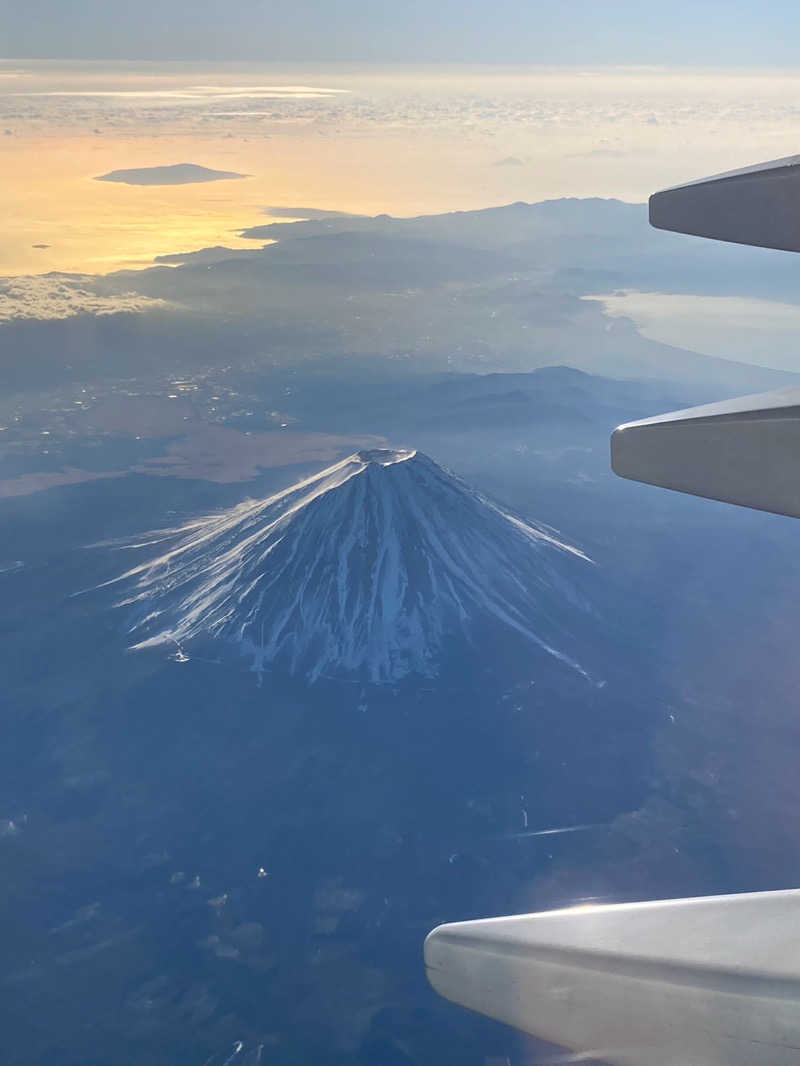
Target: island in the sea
x: 178, y: 174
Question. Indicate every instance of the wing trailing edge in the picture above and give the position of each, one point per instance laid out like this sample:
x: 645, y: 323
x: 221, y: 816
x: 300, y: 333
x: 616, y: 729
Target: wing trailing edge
x: 713, y: 981
x: 758, y: 205
x: 744, y: 451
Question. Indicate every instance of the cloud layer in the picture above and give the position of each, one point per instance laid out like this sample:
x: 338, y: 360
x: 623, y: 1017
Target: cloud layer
x: 60, y: 296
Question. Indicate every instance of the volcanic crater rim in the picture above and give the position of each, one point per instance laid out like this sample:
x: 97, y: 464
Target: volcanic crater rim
x: 385, y: 456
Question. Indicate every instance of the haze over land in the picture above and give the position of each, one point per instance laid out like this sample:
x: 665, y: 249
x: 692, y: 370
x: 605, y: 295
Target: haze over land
x: 366, y: 441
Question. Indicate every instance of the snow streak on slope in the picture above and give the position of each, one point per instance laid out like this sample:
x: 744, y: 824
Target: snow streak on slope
x: 365, y: 570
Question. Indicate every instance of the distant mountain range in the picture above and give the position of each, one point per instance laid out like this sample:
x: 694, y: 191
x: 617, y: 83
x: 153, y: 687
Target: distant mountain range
x: 496, y: 290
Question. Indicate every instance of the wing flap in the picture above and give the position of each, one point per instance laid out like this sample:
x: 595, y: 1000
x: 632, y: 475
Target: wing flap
x: 759, y: 205
x: 699, y: 982
x: 744, y: 451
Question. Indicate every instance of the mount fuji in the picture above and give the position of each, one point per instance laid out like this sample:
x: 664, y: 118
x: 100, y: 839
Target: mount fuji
x: 368, y: 570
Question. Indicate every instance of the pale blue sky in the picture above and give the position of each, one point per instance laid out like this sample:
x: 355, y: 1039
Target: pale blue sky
x: 673, y: 32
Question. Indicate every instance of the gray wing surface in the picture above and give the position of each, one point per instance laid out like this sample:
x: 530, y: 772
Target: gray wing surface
x: 701, y: 982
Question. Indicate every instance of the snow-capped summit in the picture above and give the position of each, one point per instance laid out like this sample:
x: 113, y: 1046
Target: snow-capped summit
x: 384, y: 456
x: 367, y: 569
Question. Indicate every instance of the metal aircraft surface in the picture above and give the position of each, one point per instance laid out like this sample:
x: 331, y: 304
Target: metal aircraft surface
x: 713, y: 981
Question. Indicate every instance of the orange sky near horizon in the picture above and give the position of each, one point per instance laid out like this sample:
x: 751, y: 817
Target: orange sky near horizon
x: 399, y: 142
x: 97, y: 227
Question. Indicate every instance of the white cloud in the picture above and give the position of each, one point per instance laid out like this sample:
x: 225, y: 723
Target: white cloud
x: 63, y: 296
x: 198, y: 93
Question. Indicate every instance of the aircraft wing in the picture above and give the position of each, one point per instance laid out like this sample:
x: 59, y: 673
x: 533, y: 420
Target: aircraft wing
x: 744, y: 451
x: 758, y: 205
x: 701, y: 982
x: 713, y: 981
